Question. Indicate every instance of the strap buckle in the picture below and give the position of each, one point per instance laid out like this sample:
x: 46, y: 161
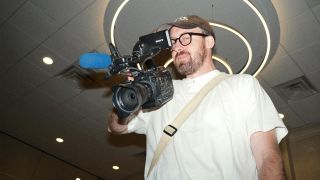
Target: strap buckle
x: 170, y: 130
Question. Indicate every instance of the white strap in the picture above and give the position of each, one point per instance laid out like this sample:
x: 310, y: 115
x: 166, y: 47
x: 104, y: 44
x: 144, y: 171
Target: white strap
x: 170, y: 130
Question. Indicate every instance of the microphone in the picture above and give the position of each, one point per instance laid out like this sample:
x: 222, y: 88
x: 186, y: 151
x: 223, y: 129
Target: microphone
x: 95, y: 61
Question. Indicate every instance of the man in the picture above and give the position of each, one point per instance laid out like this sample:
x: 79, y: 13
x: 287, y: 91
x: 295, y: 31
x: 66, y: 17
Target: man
x: 232, y: 135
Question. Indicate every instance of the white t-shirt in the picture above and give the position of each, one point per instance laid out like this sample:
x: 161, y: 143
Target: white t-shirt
x: 214, y: 142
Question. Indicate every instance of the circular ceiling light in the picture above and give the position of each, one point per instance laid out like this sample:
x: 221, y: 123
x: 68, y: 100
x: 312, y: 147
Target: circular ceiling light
x: 266, y: 29
x: 256, y: 11
x: 244, y: 40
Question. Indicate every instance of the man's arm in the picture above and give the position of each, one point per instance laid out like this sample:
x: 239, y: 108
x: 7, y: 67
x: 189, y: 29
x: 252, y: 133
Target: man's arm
x: 116, y: 125
x: 267, y: 155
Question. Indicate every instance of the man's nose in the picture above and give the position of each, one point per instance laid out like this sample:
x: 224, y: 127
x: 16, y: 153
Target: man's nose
x: 177, y: 47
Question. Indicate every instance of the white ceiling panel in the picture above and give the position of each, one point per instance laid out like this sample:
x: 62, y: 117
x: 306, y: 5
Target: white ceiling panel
x: 60, y: 89
x: 313, y: 3
x: 314, y: 78
x: 291, y: 119
x: 103, y: 48
x: 86, y: 130
x: 28, y: 158
x: 308, y: 108
x: 82, y: 104
x: 76, y: 140
x: 287, y: 9
x: 6, y: 98
x: 66, y: 45
x: 51, y: 168
x: 85, y: 26
x: 300, y: 31
x: 99, y: 96
x: 18, y: 46
x: 280, y: 53
x: 276, y: 99
x: 20, y: 124
x: 2, y: 19
x: 61, y: 11
x: 274, y: 74
x: 56, y: 122
x: 59, y: 63
x: 316, y: 11
x: 308, y: 58
x: 8, y: 7
x: 26, y: 72
x: 35, y: 103
x: 13, y: 89
x: 34, y: 22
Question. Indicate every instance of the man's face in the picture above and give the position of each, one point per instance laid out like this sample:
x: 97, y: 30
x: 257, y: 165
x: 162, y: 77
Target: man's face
x: 188, y: 59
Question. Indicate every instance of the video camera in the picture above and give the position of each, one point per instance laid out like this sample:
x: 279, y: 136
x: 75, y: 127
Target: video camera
x: 151, y: 86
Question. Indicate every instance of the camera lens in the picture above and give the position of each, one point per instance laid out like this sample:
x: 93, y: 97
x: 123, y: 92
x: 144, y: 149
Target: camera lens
x: 128, y: 98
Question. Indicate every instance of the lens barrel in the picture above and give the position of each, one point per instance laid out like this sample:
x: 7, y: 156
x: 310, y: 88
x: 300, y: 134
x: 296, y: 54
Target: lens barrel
x: 129, y: 98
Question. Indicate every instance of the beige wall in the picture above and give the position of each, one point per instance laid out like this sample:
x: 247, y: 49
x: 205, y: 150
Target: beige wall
x: 304, y: 146
x: 301, y: 153
x: 286, y: 156
x: 19, y: 161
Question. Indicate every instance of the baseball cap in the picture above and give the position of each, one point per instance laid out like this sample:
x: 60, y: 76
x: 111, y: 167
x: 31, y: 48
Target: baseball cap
x: 191, y: 21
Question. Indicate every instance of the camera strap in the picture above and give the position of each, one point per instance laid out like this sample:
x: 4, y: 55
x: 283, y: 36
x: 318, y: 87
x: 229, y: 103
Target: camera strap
x: 172, y: 128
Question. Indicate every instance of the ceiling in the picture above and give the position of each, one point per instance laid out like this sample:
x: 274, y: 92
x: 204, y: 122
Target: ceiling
x: 41, y: 102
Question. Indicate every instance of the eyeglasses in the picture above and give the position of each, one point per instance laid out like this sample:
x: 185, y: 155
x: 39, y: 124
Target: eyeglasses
x: 185, y: 38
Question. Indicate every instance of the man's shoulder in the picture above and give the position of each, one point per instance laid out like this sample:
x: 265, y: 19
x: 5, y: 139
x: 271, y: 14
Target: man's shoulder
x: 242, y: 76
x: 234, y: 78
x: 241, y: 81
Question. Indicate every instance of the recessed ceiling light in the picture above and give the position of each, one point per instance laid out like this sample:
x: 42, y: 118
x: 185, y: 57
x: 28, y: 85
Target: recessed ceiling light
x: 47, y: 60
x: 281, y: 115
x: 115, y: 167
x: 59, y: 140
x: 78, y: 179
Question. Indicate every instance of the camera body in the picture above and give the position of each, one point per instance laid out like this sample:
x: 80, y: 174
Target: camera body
x: 152, y: 86
x: 150, y: 89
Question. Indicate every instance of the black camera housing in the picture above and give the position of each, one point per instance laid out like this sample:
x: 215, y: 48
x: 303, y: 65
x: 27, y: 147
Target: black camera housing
x: 152, y: 86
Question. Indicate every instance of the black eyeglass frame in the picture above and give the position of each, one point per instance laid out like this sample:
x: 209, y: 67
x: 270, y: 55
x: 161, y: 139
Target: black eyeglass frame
x: 174, y: 41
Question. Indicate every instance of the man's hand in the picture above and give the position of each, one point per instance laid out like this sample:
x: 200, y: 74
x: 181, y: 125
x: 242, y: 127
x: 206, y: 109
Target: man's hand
x: 116, y: 125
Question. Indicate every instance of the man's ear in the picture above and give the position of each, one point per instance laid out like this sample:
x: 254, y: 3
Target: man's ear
x: 209, y: 40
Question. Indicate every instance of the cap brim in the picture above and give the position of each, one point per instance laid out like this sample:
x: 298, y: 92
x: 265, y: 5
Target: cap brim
x: 181, y: 24
x: 184, y: 25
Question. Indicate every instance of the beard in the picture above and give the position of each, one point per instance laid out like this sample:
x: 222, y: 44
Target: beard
x: 186, y: 64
